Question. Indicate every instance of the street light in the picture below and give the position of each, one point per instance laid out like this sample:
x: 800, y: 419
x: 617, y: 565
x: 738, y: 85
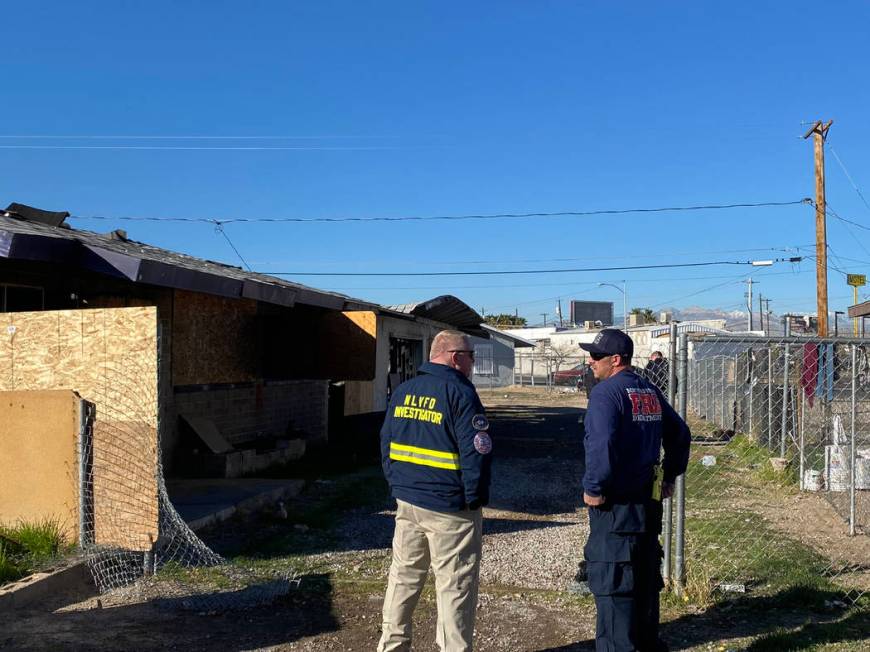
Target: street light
x: 624, y: 301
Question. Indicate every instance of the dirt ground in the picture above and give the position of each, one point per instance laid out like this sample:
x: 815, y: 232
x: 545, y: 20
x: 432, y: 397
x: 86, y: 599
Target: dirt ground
x: 524, y: 604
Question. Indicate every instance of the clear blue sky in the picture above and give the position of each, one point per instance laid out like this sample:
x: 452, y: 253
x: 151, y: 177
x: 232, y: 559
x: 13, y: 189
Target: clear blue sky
x: 425, y: 108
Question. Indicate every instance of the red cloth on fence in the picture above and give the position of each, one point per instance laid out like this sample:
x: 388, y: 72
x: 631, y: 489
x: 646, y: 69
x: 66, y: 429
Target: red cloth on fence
x: 810, y: 371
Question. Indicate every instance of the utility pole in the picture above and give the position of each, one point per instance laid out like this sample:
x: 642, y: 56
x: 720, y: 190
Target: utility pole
x: 748, y: 295
x: 544, y: 315
x: 761, y: 314
x: 767, y: 310
x: 819, y: 131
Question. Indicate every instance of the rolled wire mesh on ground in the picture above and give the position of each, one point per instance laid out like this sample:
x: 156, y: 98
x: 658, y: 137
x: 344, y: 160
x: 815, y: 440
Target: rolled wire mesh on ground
x: 778, y: 488
x: 133, y: 539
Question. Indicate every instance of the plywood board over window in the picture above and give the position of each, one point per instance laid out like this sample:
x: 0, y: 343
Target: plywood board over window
x: 214, y: 339
x: 109, y: 357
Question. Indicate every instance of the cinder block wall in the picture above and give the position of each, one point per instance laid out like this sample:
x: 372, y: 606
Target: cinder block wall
x: 251, y: 410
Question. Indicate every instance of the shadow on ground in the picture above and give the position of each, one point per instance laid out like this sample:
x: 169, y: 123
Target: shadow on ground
x: 522, y: 430
x: 268, y: 539
x: 800, y: 609
x: 165, y: 623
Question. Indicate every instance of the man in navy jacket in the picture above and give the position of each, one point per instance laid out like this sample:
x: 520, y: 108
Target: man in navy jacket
x: 435, y: 449
x: 627, y: 423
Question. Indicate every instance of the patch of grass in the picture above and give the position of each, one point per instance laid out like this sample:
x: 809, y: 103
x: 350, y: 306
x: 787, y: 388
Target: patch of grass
x: 41, y: 539
x: 760, y: 558
x: 28, y: 546
x: 849, y: 632
x: 726, y: 543
x: 9, y: 570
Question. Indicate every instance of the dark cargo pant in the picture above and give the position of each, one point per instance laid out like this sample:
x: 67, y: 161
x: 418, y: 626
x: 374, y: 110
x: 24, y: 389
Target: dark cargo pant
x: 623, y: 559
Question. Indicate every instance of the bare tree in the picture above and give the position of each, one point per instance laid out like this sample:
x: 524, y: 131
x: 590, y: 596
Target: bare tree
x: 559, y: 354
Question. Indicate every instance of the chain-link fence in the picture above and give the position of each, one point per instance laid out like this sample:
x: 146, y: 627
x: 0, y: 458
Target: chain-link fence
x: 129, y: 532
x: 544, y: 368
x: 778, y: 486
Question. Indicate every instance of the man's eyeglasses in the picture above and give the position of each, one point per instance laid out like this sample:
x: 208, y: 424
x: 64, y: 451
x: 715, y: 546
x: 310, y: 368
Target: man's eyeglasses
x: 470, y: 353
x: 598, y: 356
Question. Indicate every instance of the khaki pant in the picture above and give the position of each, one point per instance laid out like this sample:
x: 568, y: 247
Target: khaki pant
x: 451, y: 542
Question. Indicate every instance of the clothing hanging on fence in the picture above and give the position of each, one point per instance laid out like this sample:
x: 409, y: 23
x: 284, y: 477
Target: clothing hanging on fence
x: 825, y: 384
x: 838, y: 431
x: 810, y: 372
x: 750, y: 363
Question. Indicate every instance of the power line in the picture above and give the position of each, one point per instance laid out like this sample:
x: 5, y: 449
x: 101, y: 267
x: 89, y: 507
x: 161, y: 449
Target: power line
x: 493, y: 261
x: 733, y: 281
x: 220, y: 229
x: 849, y: 176
x: 565, y: 294
x: 830, y: 211
x: 259, y: 148
x: 839, y: 262
x: 492, y: 216
x: 531, y: 271
x: 736, y: 280
x: 176, y: 137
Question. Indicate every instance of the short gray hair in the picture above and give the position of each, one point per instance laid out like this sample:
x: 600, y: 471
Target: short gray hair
x: 446, y: 341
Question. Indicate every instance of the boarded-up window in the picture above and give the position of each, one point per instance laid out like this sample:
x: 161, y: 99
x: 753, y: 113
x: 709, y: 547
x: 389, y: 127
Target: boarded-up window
x: 483, y: 364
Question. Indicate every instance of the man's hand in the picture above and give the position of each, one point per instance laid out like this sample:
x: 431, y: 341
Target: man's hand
x: 593, y: 501
x: 667, y: 489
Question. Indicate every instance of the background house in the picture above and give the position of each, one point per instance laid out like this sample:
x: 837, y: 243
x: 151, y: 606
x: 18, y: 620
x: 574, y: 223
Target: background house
x: 495, y: 357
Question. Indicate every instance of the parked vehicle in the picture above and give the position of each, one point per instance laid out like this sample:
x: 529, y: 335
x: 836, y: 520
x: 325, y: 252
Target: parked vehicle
x: 571, y: 376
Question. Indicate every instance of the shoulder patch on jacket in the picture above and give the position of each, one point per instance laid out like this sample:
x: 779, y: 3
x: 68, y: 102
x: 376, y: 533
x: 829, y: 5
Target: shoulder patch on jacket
x: 482, y: 443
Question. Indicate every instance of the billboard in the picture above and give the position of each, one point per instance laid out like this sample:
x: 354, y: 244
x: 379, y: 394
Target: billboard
x: 583, y: 311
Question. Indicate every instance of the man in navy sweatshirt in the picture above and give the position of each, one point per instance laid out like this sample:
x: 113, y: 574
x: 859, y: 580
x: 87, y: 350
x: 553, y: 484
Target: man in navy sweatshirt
x: 628, y: 421
x: 435, y: 448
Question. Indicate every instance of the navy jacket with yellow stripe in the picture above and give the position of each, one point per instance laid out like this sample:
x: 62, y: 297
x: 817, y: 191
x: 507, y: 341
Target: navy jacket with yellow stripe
x: 435, y: 443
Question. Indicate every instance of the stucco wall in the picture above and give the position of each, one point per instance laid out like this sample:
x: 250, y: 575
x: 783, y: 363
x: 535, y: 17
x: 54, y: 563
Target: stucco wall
x: 39, y: 458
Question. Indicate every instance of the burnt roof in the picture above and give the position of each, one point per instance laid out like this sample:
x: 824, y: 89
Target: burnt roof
x: 31, y: 214
x: 448, y: 310
x: 23, y: 238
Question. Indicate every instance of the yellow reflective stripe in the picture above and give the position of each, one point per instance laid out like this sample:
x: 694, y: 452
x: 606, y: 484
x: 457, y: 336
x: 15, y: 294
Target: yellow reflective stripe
x: 417, y: 460
x: 423, y: 451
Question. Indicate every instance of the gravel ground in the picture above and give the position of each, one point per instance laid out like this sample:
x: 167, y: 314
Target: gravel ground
x: 534, y: 529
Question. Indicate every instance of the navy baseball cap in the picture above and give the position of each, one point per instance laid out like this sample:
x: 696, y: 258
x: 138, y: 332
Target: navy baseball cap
x: 610, y: 341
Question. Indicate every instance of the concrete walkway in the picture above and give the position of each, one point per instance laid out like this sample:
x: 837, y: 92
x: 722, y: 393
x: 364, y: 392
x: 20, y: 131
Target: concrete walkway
x: 204, y: 502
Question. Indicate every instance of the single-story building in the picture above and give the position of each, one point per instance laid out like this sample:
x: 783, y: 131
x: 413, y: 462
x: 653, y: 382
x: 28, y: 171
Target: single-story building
x: 495, y: 357
x: 257, y: 356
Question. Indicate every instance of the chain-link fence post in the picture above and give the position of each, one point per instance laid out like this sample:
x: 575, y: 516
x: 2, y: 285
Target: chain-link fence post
x: 667, y: 525
x: 769, y: 438
x: 785, y: 356
x: 802, y: 445
x: 85, y: 480
x: 854, y: 413
x: 751, y: 362
x: 680, y: 492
